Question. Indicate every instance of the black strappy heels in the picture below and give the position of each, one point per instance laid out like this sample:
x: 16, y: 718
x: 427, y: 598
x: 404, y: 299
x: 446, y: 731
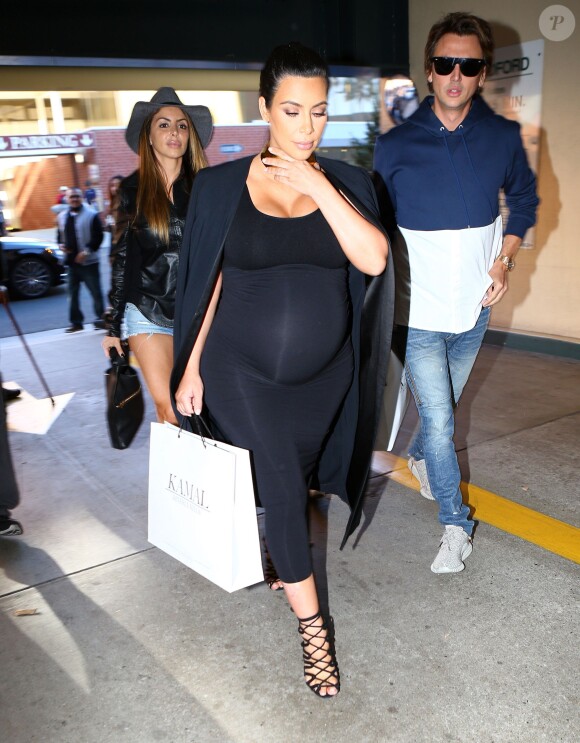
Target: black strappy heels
x: 271, y: 579
x: 320, y: 667
x: 270, y: 574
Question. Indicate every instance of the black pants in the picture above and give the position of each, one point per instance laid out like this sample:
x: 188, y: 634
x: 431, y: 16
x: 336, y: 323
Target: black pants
x: 77, y: 274
x: 9, y: 495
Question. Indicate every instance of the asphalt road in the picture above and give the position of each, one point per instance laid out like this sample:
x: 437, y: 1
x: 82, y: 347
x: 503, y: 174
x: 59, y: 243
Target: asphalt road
x: 51, y: 312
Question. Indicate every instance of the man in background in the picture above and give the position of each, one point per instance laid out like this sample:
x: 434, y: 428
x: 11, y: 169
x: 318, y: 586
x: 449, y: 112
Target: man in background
x: 80, y: 234
x: 443, y: 169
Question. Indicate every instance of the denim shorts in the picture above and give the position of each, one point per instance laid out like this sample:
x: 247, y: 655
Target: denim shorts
x: 135, y: 323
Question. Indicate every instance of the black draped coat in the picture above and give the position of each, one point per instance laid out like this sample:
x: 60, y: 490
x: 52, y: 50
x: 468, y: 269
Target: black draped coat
x: 345, y: 460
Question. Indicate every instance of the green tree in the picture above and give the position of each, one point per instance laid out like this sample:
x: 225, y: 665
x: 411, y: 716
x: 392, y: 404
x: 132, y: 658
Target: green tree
x: 361, y: 150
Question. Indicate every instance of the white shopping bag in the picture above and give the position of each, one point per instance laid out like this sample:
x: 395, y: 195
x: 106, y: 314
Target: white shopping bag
x: 201, y: 506
x: 395, y: 403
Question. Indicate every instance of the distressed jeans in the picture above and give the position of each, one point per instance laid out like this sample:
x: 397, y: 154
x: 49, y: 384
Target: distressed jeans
x: 437, y: 366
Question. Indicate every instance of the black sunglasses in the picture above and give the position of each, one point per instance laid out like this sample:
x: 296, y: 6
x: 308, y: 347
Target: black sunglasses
x: 469, y: 67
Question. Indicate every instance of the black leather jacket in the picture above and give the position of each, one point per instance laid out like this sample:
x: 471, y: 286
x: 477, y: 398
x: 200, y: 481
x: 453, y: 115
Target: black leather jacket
x: 144, y: 270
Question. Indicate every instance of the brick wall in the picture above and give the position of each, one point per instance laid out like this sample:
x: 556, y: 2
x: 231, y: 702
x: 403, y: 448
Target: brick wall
x: 35, y: 185
x: 112, y: 155
x: 35, y: 189
x: 251, y: 137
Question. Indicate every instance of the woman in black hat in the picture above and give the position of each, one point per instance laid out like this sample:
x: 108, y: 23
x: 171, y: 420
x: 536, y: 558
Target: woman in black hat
x: 272, y: 308
x: 169, y: 138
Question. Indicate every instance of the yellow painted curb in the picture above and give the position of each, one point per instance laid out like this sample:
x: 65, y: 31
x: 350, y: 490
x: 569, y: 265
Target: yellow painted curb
x: 533, y: 526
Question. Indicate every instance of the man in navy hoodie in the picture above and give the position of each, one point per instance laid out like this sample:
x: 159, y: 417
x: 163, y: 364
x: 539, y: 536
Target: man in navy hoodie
x: 443, y: 169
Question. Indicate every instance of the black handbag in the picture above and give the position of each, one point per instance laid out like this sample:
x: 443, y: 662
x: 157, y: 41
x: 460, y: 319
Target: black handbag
x: 125, y: 406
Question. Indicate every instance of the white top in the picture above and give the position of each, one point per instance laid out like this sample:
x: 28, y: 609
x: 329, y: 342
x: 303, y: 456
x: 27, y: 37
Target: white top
x: 449, y: 276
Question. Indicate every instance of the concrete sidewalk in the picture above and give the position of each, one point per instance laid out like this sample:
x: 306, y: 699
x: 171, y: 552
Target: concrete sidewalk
x: 129, y: 645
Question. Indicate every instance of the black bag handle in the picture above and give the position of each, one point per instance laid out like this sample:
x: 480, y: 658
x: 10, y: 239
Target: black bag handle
x: 118, y: 360
x: 120, y: 364
x: 195, y: 421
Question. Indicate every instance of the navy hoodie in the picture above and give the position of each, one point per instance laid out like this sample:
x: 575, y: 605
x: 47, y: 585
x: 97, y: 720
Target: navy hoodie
x: 442, y: 180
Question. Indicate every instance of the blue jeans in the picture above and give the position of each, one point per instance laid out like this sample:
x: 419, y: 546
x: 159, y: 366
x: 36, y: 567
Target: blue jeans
x: 135, y: 323
x: 437, y: 367
x: 77, y: 273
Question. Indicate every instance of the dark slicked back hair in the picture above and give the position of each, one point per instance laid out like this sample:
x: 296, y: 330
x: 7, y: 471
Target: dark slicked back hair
x: 290, y: 60
x: 460, y: 24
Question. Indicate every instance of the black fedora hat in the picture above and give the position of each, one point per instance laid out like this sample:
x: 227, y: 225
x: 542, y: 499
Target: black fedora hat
x: 200, y: 116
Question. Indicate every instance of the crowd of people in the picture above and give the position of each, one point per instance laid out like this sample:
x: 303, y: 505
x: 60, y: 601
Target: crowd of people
x: 249, y: 291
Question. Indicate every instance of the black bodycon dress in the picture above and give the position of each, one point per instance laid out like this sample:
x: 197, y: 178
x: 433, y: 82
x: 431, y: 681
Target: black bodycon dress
x: 278, y: 362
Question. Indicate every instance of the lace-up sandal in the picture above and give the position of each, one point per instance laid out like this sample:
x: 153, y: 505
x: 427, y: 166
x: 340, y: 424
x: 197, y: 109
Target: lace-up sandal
x: 320, y: 667
x: 270, y: 575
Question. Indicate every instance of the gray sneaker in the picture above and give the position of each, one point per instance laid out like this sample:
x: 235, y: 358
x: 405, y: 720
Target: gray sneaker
x: 455, y: 547
x: 419, y: 471
x: 10, y: 527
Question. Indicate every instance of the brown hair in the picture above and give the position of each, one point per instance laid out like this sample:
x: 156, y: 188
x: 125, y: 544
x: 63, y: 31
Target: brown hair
x: 461, y: 24
x: 114, y: 197
x: 152, y: 195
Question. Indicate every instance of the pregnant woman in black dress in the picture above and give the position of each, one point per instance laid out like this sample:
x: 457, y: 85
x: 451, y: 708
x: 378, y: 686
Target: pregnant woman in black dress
x: 273, y: 359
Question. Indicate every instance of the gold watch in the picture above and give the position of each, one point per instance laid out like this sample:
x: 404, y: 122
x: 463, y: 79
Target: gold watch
x: 507, y: 262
